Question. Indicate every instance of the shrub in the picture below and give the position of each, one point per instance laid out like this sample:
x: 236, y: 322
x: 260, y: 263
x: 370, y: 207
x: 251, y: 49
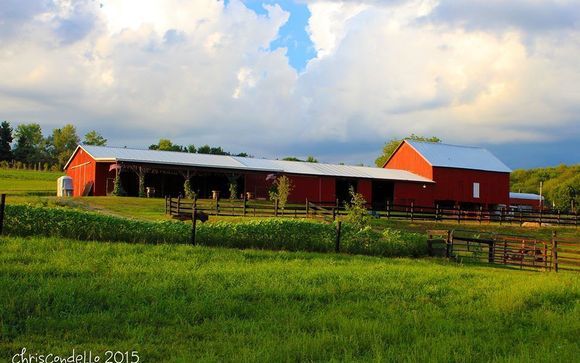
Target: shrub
x: 357, y: 214
x: 272, y: 234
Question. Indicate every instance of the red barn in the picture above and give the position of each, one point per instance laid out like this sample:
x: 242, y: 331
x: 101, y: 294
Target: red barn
x: 526, y: 201
x: 464, y: 176
x: 93, y: 170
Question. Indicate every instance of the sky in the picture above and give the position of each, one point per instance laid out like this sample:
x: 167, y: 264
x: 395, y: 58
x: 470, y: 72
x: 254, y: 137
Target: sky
x: 330, y: 78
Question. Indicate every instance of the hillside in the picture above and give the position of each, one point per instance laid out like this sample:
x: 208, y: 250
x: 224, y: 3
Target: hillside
x: 560, y: 182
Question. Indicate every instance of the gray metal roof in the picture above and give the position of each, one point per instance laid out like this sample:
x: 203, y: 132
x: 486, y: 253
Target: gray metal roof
x: 528, y: 196
x: 113, y: 154
x: 455, y: 156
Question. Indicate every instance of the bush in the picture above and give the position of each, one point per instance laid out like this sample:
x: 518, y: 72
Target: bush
x: 272, y: 234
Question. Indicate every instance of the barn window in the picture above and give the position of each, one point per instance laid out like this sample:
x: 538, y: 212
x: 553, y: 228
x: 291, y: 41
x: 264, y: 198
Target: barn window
x: 476, y: 190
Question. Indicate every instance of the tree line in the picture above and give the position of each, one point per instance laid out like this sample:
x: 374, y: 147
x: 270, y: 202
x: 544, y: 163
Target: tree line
x: 560, y: 185
x: 27, y: 147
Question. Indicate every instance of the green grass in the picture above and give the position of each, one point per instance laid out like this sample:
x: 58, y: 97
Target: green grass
x: 22, y: 182
x: 182, y: 303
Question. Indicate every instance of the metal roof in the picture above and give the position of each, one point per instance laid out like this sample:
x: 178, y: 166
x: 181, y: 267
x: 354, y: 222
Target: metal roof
x: 455, y: 156
x: 528, y: 196
x: 113, y: 154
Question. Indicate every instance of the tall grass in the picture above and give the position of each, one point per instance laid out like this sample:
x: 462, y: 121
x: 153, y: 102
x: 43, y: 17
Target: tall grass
x: 274, y: 234
x: 186, y: 304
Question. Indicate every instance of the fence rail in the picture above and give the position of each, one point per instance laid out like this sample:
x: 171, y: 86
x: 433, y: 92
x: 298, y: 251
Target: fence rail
x: 330, y: 210
x: 525, y: 252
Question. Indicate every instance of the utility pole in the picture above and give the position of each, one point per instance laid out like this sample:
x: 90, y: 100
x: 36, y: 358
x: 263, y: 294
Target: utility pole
x: 541, y: 197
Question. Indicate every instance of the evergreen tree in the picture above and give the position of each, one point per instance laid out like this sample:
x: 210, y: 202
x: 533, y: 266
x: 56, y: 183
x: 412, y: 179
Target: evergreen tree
x: 5, y: 141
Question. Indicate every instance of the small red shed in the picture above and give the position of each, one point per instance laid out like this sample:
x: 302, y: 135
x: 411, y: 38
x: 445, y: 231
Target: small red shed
x: 464, y: 176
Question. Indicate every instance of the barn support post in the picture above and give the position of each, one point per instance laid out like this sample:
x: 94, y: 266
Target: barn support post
x: 337, y: 241
x: 244, y: 200
x: 2, y: 207
x: 141, y: 176
x: 193, y: 221
x: 554, y: 251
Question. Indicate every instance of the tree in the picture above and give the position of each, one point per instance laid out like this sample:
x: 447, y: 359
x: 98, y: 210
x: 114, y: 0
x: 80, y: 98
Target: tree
x: 357, y: 213
x: 30, y: 143
x: 205, y: 149
x: 311, y: 159
x: 392, y: 145
x: 291, y: 158
x: 191, y: 149
x: 64, y: 143
x: 94, y: 138
x: 167, y: 145
x: 280, y: 190
x: 5, y: 141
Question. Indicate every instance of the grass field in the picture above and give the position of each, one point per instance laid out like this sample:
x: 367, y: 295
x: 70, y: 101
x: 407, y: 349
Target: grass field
x: 182, y: 303
x: 22, y: 182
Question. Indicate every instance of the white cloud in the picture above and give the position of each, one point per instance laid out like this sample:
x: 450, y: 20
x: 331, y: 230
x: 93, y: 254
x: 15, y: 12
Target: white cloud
x: 200, y: 72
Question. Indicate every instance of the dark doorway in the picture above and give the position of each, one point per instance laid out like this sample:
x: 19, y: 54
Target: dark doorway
x: 342, y: 189
x: 383, y: 192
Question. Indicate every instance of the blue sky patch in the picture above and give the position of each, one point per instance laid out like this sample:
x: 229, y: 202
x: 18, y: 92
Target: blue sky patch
x: 292, y: 35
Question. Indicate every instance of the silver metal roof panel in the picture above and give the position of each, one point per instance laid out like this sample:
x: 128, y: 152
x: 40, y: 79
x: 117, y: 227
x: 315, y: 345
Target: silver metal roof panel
x: 528, y: 196
x: 455, y: 156
x: 104, y: 153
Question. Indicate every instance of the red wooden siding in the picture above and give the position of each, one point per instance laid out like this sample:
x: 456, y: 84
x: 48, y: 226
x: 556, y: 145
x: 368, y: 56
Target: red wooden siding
x: 365, y: 187
x: 418, y: 193
x: 406, y: 158
x: 82, y: 171
x: 535, y: 204
x: 457, y: 185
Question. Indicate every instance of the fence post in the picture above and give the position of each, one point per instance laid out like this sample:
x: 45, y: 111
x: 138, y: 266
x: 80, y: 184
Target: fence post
x: 178, y: 204
x: 217, y: 205
x: 491, y: 250
x: 337, y: 242
x: 412, y: 210
x: 436, y: 212
x: 558, y: 217
x: 307, y: 209
x: 500, y: 216
x: 480, y: 213
x: 521, y: 217
x: 276, y: 207
x: 2, y: 205
x: 449, y: 245
x: 388, y: 209
x: 541, y: 217
x: 166, y: 204
x: 193, y: 220
x: 244, y: 207
x: 333, y: 214
x: 458, y: 215
x: 554, y: 251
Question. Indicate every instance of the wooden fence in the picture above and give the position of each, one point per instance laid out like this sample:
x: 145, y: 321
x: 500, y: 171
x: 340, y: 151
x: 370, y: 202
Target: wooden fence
x: 524, y: 252
x: 330, y: 210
